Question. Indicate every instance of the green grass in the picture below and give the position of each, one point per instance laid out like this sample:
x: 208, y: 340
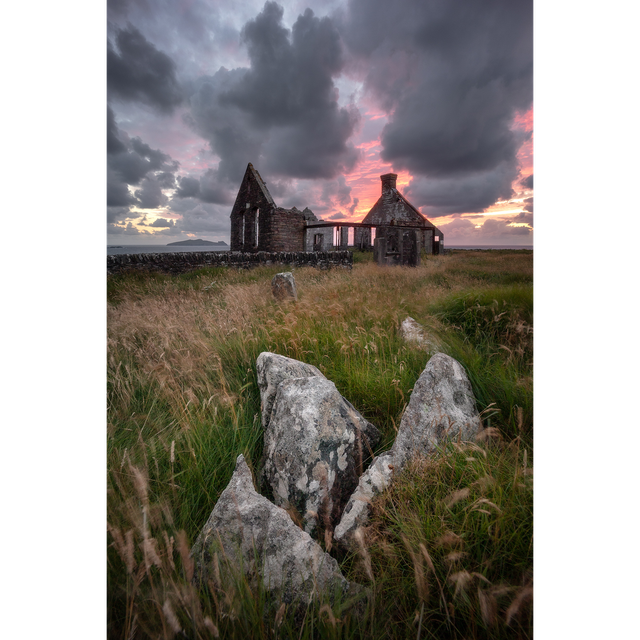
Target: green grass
x: 183, y: 402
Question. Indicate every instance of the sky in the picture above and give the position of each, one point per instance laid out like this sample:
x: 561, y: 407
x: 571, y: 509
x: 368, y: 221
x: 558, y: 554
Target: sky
x: 322, y: 97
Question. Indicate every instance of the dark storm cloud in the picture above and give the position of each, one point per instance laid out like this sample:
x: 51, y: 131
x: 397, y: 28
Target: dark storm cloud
x: 527, y: 182
x: 206, y: 189
x: 138, y: 160
x: 138, y: 71
x: 337, y: 216
x: 528, y: 204
x: 188, y: 187
x: 281, y: 113
x: 150, y: 196
x: 452, y: 75
x: 440, y: 196
x: 133, y: 162
x: 162, y: 222
x: 336, y: 192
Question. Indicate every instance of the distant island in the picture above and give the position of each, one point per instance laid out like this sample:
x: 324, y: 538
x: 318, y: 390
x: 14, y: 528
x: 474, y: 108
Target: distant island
x: 197, y: 243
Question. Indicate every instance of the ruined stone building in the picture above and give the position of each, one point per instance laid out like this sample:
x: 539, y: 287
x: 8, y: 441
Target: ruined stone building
x: 258, y: 224
x: 393, y: 210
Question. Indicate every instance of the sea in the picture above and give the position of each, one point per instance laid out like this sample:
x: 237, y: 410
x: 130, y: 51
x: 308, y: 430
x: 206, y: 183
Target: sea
x: 117, y: 249
x: 113, y: 250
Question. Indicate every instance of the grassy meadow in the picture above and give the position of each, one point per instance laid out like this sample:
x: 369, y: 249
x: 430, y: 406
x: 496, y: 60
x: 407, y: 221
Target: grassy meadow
x: 449, y: 551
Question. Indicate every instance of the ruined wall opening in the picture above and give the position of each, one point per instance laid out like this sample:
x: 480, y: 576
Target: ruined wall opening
x: 336, y: 236
x: 257, y: 219
x: 350, y: 237
x: 373, y: 235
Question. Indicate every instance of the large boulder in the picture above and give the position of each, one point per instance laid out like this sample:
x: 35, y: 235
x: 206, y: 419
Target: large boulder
x: 441, y: 407
x: 248, y: 535
x: 272, y: 369
x: 315, y: 447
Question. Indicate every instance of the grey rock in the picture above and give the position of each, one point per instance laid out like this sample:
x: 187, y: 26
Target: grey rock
x: 372, y: 482
x: 272, y: 369
x: 442, y: 406
x: 249, y: 535
x: 283, y: 286
x: 314, y: 448
x: 414, y: 333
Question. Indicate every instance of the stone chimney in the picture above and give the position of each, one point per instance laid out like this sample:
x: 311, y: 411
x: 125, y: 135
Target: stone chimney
x: 389, y: 181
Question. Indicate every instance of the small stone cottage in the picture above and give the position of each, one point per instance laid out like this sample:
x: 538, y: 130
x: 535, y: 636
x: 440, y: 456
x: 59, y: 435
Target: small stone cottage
x: 393, y: 210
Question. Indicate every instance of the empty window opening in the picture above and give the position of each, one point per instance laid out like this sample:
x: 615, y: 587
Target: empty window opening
x: 373, y: 235
x: 248, y: 205
x: 242, y: 231
x: 257, y: 225
x: 436, y: 239
x: 350, y: 236
x: 336, y: 236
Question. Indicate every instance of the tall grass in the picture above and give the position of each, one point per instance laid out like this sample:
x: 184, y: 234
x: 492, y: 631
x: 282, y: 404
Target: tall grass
x: 183, y: 403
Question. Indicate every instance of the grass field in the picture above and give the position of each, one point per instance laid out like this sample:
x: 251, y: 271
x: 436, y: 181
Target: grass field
x: 449, y: 550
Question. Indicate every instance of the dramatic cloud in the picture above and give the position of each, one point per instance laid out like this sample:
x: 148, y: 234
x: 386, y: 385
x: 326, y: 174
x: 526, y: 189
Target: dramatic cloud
x: 320, y: 96
x: 282, y: 112
x: 133, y: 162
x: 462, y: 194
x: 140, y: 72
x: 452, y: 78
x: 527, y: 182
x: 492, y: 230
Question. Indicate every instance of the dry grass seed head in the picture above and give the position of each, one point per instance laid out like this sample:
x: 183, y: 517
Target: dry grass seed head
x: 456, y: 496
x: 488, y: 607
x: 523, y: 597
x: 449, y: 540
x: 364, y: 553
x: 461, y: 580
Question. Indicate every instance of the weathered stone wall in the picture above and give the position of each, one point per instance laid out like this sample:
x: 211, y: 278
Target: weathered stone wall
x: 187, y: 261
x: 282, y: 230
x: 327, y: 238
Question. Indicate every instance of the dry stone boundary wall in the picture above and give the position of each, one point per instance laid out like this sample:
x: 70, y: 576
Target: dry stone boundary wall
x: 187, y: 261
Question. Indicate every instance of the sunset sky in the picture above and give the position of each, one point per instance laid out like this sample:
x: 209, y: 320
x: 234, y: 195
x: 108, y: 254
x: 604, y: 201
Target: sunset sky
x: 322, y: 96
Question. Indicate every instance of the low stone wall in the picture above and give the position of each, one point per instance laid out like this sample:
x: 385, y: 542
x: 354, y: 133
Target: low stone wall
x: 187, y: 261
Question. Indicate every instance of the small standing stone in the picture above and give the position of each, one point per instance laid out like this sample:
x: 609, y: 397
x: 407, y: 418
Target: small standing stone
x: 283, y: 286
x: 413, y: 332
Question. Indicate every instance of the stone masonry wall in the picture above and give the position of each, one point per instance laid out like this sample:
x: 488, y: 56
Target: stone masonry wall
x: 187, y: 261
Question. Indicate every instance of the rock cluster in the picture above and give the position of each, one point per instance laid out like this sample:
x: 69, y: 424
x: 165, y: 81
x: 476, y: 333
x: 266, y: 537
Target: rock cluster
x: 315, y: 447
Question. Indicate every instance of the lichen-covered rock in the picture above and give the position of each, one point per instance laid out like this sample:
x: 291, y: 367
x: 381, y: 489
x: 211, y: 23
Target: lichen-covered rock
x: 372, y: 482
x: 441, y: 407
x: 314, y: 448
x: 283, y: 286
x: 272, y: 369
x: 248, y: 534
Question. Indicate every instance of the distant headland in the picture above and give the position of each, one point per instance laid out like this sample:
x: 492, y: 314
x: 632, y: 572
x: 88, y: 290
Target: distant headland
x: 197, y: 243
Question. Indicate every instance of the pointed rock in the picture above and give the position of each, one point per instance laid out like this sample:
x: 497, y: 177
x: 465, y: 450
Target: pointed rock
x: 271, y: 370
x: 442, y: 406
x: 248, y: 534
x: 314, y: 448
